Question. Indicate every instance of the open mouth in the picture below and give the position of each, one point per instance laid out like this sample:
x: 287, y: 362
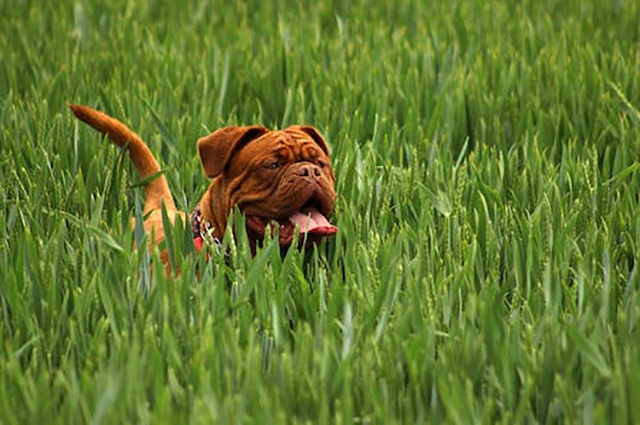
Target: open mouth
x: 309, y: 221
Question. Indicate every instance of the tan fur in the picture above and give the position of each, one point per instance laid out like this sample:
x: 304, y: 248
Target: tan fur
x: 237, y: 160
x: 157, y: 191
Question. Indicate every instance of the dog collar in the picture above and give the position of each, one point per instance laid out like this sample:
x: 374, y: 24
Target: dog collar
x: 202, y: 231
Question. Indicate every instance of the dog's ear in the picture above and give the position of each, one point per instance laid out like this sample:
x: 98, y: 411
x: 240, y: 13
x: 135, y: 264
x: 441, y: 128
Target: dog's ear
x: 314, y: 134
x: 217, y: 149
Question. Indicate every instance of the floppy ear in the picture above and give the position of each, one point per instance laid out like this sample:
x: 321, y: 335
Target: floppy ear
x: 216, y: 149
x: 314, y: 134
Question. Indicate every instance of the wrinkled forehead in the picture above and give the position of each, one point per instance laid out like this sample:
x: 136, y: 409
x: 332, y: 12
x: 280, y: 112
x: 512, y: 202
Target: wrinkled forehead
x: 280, y: 142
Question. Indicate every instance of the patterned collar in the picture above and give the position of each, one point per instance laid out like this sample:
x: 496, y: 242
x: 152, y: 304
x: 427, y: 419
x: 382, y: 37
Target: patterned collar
x: 202, y: 231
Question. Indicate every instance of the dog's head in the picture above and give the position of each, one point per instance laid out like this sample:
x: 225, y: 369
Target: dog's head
x: 280, y: 178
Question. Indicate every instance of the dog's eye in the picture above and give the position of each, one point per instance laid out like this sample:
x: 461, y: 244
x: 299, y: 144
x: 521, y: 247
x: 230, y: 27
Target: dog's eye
x: 272, y: 165
x: 321, y: 163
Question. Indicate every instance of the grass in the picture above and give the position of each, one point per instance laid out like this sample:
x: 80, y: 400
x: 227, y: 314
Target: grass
x: 486, y: 267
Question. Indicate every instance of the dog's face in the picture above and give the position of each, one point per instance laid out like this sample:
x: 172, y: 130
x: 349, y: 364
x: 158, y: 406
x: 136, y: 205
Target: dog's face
x: 278, y: 178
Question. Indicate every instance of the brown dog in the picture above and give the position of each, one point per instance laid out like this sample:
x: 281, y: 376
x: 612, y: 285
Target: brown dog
x: 281, y: 178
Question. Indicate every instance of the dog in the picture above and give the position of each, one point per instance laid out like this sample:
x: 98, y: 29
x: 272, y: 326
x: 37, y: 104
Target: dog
x: 277, y: 178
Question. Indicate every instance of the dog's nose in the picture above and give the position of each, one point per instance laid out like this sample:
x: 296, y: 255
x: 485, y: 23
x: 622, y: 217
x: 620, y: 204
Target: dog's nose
x: 308, y: 170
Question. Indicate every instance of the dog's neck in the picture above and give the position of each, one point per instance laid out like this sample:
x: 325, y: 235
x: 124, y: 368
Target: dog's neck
x: 215, y: 208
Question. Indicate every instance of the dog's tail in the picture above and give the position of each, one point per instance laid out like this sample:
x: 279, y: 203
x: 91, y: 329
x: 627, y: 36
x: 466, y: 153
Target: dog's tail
x: 156, y: 190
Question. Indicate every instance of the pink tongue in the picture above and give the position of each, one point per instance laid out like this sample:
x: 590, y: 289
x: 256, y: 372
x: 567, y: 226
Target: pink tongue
x: 312, y: 221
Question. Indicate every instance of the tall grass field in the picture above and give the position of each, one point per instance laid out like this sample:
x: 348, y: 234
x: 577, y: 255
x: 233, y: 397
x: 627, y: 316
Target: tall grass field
x: 487, y: 264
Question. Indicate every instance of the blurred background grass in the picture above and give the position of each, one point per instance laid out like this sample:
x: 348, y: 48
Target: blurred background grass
x: 486, y: 268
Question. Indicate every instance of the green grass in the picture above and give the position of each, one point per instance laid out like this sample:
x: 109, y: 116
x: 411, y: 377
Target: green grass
x: 486, y: 267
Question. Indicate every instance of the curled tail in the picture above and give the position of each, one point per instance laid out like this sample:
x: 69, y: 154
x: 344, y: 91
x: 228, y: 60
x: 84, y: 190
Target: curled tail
x: 155, y: 191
